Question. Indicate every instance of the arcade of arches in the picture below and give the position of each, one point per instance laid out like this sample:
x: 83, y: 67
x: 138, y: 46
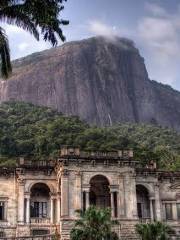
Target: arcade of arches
x: 38, y: 200
x: 101, y: 196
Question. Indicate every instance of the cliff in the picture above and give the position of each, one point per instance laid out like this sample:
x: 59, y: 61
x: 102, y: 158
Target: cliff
x: 101, y: 81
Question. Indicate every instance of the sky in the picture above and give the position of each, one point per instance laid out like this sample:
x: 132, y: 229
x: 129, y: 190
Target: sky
x: 154, y: 26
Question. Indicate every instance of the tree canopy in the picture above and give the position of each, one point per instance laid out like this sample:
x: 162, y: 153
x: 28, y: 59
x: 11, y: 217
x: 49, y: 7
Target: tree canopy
x: 153, y: 231
x: 94, y: 224
x: 39, y: 132
x: 38, y: 17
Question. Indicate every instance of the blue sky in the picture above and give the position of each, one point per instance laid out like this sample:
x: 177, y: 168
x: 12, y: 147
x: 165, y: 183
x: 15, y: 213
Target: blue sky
x: 154, y: 25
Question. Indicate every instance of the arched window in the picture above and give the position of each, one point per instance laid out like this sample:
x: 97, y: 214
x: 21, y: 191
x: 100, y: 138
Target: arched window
x: 40, y: 201
x: 100, y: 191
x: 143, y: 202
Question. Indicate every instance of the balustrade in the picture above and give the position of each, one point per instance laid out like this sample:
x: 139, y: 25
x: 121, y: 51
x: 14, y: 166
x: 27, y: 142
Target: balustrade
x: 40, y: 221
x: 41, y: 237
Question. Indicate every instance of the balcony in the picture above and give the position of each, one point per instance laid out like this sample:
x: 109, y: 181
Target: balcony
x: 40, y: 221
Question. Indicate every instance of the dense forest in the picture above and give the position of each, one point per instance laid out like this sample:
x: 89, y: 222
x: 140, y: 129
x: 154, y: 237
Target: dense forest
x: 38, y: 132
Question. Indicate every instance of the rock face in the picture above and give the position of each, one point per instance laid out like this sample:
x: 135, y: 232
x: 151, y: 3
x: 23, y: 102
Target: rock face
x: 101, y: 81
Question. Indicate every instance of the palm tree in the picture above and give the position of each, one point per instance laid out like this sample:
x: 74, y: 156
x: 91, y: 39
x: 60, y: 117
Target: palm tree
x: 153, y: 231
x: 33, y: 16
x: 94, y: 224
x: 4, y: 54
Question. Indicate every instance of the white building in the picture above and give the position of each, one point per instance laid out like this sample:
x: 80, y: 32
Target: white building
x: 39, y: 197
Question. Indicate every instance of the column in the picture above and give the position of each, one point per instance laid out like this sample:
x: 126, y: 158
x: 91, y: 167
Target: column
x: 134, y: 197
x: 174, y: 211
x: 27, y: 209
x: 117, y: 205
x: 87, y: 199
x: 78, y: 192
x: 121, y: 197
x: 157, y: 203
x: 58, y: 199
x: 52, y: 210
x: 151, y: 209
x: 112, y: 205
x: 64, y: 193
x: 21, y: 184
x: 130, y: 195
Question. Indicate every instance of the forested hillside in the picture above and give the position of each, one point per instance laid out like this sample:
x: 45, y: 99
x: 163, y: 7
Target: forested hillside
x: 99, y: 80
x: 38, y: 132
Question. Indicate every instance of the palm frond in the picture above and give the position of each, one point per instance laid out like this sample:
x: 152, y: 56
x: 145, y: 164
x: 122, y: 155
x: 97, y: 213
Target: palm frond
x: 153, y: 231
x: 45, y: 14
x: 14, y: 15
x: 95, y: 224
x: 6, y: 68
x: 30, y: 15
x: 6, y: 3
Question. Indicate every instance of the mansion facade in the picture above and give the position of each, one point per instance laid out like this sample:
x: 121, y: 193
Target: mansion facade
x: 42, y: 197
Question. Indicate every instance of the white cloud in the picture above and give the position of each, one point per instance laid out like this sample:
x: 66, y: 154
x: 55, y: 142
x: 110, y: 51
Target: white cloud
x: 99, y: 28
x: 23, y: 46
x: 23, y: 43
x: 156, y: 29
x: 155, y: 9
x: 10, y: 29
x: 159, y: 33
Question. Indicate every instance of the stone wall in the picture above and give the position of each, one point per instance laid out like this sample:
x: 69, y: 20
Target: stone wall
x: 8, y: 195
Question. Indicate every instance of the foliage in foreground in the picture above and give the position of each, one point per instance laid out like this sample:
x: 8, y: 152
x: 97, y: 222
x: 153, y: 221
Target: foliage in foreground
x: 28, y: 130
x: 153, y: 231
x: 32, y: 16
x: 94, y: 224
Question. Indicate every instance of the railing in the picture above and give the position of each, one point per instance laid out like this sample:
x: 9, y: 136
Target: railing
x: 40, y: 237
x: 99, y: 154
x: 40, y: 221
x: 112, y: 154
x: 36, y: 163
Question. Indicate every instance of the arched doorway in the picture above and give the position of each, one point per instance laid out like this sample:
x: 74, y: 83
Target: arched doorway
x: 40, y: 201
x: 143, y: 202
x: 100, y: 192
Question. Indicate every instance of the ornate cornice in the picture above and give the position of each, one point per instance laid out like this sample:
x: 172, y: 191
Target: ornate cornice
x: 21, y: 181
